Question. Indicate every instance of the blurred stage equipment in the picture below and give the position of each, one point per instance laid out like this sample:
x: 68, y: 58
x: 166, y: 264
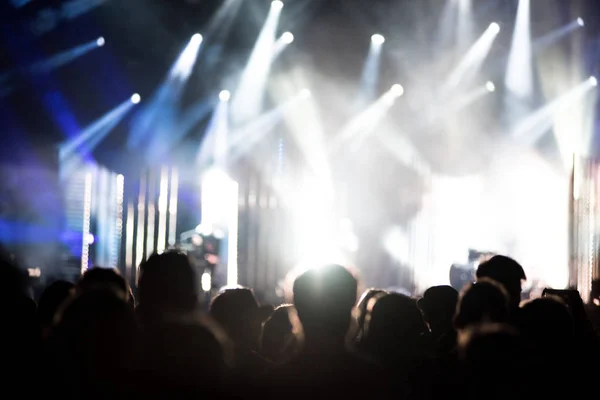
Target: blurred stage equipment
x: 462, y: 274
x: 203, y: 249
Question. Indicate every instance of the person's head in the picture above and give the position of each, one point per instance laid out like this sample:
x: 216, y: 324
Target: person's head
x: 507, y: 272
x: 394, y: 323
x: 494, y: 356
x: 103, y: 278
x: 480, y: 302
x: 438, y: 305
x: 363, y: 303
x: 167, y: 284
x: 96, y: 331
x: 278, y: 341
x: 324, y: 298
x: 238, y: 313
x: 547, y: 323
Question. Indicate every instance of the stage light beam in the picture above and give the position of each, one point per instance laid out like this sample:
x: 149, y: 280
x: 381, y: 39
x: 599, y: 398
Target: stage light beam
x: 397, y: 90
x: 196, y: 39
x: 580, y: 22
x: 277, y: 5
x: 136, y: 98
x: 377, y: 39
x: 100, y: 41
x: 489, y: 85
x: 494, y: 28
x: 593, y: 81
x: 224, y: 95
x: 287, y: 37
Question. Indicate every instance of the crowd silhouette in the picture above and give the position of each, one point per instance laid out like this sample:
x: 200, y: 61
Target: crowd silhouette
x: 99, y: 339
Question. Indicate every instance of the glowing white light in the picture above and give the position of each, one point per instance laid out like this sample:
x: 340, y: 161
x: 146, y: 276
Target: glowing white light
x: 377, y: 39
x: 305, y: 93
x: 593, y: 81
x: 494, y: 28
x: 196, y: 38
x: 100, y: 41
x: 87, y: 209
x: 89, y: 238
x: 277, y: 5
x: 206, y: 282
x: 287, y: 37
x: 135, y: 98
x: 580, y: 21
x: 224, y: 95
x: 397, y: 90
x: 490, y: 87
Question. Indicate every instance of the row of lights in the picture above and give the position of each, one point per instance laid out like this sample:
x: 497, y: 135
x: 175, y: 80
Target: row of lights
x: 288, y: 37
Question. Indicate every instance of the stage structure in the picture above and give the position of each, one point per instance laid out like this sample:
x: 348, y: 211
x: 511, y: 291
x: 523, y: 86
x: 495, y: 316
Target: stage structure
x: 150, y: 218
x: 584, y: 225
x: 94, y: 215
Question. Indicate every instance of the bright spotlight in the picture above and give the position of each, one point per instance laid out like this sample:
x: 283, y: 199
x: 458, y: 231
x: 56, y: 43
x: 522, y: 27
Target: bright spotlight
x: 490, y: 87
x: 593, y: 81
x: 90, y: 238
x: 224, y: 95
x: 305, y: 93
x: 196, y: 38
x: 135, y: 98
x: 494, y: 27
x: 580, y: 21
x: 277, y: 5
x: 100, y: 41
x: 287, y: 37
x: 397, y: 90
x: 377, y: 39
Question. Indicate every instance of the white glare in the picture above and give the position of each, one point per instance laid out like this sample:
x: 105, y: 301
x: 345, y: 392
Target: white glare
x: 377, y: 39
x: 494, y: 27
x: 206, y: 282
x: 287, y: 37
x: 397, y: 90
x: 305, y: 93
x: 580, y: 21
x: 197, y: 39
x: 277, y: 5
x: 135, y: 98
x: 224, y: 95
x: 490, y: 86
x: 593, y: 81
x: 100, y: 41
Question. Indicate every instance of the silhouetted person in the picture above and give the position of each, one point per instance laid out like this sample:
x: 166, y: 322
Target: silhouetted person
x: 484, y: 301
x: 101, y: 278
x: 396, y: 336
x: 438, y: 306
x: 51, y: 299
x: 548, y: 327
x: 506, y: 272
x: 494, y: 362
x: 167, y: 287
x: 324, y: 298
x: 362, y: 310
x: 19, y: 336
x: 238, y: 313
x: 278, y: 341
x: 182, y: 353
x: 93, y: 346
